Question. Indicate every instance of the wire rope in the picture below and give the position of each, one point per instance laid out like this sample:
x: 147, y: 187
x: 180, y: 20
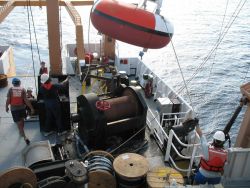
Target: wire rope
x: 178, y: 63
x: 220, y: 33
x: 215, y: 117
x: 31, y: 46
x: 226, y: 28
x: 34, y: 28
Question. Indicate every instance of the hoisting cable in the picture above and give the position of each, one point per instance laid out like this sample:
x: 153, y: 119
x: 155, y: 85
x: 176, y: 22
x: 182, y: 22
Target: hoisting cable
x: 227, y: 27
x: 177, y: 60
x: 31, y: 47
x: 214, y: 124
x: 34, y: 28
x: 220, y: 34
x: 184, y: 81
x: 86, y: 74
x: 218, y: 40
x: 126, y: 141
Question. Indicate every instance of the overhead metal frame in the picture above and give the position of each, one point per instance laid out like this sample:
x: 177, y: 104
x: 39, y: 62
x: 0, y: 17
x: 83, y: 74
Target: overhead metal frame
x: 53, y: 25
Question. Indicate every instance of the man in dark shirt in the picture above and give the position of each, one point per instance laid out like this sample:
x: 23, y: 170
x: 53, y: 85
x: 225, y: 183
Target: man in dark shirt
x: 52, y: 103
x: 43, y: 68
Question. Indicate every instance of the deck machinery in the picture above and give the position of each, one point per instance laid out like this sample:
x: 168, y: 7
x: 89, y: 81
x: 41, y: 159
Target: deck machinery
x: 100, y: 120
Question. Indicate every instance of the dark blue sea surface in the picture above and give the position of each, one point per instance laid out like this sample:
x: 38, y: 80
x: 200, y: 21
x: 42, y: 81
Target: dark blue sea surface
x: 198, y: 24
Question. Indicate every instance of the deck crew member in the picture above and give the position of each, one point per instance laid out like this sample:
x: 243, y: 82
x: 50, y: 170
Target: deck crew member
x: 16, y: 98
x: 32, y: 100
x: 43, y: 68
x: 30, y: 93
x: 213, y: 159
x: 50, y: 95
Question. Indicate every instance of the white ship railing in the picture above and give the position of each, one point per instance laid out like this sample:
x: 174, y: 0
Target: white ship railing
x: 176, y: 117
x: 158, y: 131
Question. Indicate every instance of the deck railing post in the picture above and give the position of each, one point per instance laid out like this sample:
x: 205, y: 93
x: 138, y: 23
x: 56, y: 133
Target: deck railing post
x: 192, y: 160
x: 167, y: 154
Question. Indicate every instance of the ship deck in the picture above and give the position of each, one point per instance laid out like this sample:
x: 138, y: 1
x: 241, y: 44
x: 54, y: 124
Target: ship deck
x: 12, y: 144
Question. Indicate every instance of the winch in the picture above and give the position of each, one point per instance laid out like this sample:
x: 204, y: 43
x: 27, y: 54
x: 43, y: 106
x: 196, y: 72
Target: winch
x: 122, y: 116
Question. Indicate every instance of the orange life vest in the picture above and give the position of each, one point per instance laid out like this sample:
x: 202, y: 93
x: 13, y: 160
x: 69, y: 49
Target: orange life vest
x: 216, y: 161
x: 16, y: 96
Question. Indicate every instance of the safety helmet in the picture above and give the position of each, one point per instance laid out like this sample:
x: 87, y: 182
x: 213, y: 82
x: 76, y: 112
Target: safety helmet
x: 219, y: 135
x: 44, y: 78
x: 30, y: 88
x: 16, y: 81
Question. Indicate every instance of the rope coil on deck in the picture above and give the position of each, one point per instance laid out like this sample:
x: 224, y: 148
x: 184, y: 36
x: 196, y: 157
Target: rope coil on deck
x: 18, y: 176
x: 100, y: 169
x: 131, y: 170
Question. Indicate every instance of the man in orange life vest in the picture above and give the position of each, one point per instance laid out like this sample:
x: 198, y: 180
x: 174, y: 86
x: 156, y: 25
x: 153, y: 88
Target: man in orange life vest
x: 213, y: 159
x: 52, y: 103
x: 17, y: 99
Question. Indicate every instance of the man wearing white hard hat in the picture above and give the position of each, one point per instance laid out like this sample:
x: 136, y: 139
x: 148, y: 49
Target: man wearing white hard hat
x: 213, y: 158
x: 49, y: 92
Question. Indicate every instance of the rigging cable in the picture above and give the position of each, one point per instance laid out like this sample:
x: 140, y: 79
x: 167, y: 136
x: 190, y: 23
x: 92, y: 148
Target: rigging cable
x: 31, y: 46
x: 215, y: 117
x: 177, y: 60
x: 184, y: 81
x: 220, y: 34
x: 230, y: 24
x: 227, y: 27
x: 34, y: 28
x: 85, y: 77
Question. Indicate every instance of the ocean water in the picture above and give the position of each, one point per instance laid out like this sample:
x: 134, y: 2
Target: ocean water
x: 213, y: 79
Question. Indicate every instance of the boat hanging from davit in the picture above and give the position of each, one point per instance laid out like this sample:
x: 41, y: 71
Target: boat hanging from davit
x: 131, y: 24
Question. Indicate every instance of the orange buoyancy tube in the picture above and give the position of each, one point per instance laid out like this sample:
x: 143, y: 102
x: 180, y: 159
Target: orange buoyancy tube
x: 216, y: 161
x: 16, y: 96
x: 128, y: 23
x: 126, y: 11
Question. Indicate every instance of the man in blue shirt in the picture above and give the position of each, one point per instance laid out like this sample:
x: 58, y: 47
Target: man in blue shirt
x: 52, y: 103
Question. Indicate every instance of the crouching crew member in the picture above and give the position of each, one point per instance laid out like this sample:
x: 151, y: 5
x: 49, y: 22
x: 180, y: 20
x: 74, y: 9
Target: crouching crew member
x: 213, y: 159
x: 16, y: 98
x: 52, y: 104
x: 32, y: 100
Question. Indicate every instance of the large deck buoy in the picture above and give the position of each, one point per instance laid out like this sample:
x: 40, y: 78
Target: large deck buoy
x: 130, y: 24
